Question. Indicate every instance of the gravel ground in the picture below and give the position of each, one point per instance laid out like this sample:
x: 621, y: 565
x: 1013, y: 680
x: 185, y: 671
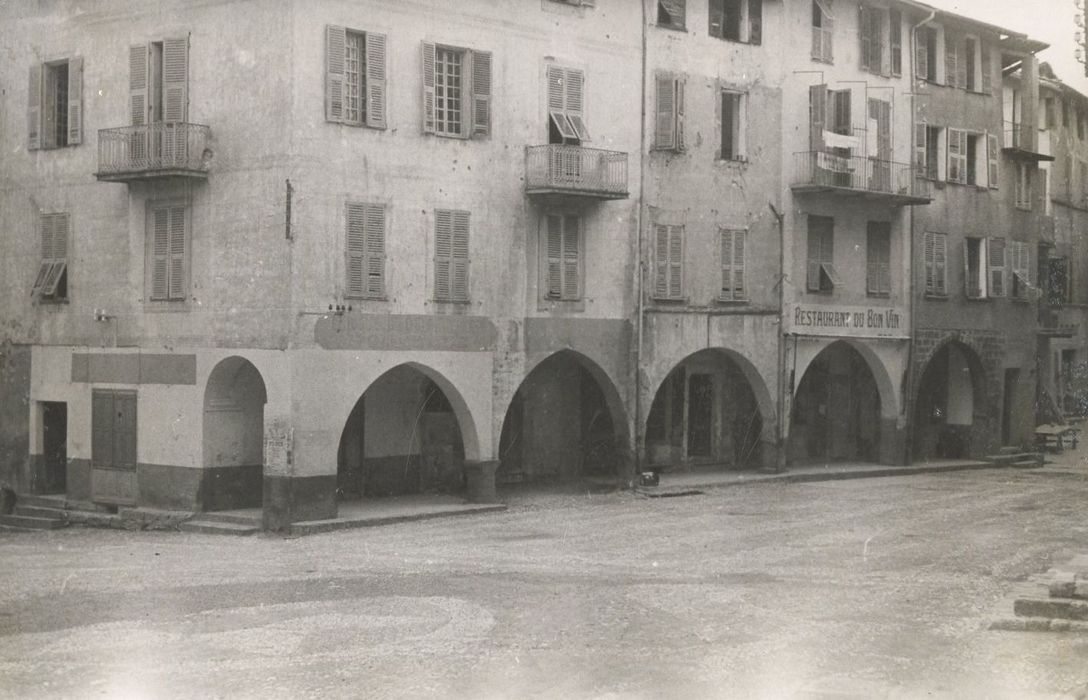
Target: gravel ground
x: 864, y: 588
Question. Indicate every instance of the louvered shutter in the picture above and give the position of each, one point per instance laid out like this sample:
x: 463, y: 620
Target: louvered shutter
x: 571, y: 257
x: 102, y: 428
x: 75, y: 101
x: 177, y: 253
x: 921, y: 53
x: 355, y: 247
x: 920, y: 142
x: 160, y: 253
x: 557, y: 79
x: 817, y: 116
x: 375, y: 80
x: 969, y: 283
x: 34, y: 108
x: 940, y: 258
x: 375, y: 250
x: 740, y: 290
x: 428, y: 88
x: 679, y: 114
x: 661, y: 260
x: 865, y: 49
x: 812, y: 277
x: 55, y: 236
x: 554, y: 245
x: 175, y: 79
x: 459, y: 282
x: 575, y: 102
x: 138, y: 89
x: 481, y: 93
x: 755, y: 22
x: 124, y: 430
x: 443, y: 254
x: 665, y: 110
x: 991, y: 160
x: 928, y: 263
x: 951, y: 69
x: 676, y: 262
x: 732, y: 264
x: 45, y: 267
x: 955, y: 173
x: 997, y: 267
x: 335, y: 61
x: 961, y: 64
x: 987, y: 66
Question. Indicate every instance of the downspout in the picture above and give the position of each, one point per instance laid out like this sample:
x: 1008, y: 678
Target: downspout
x: 780, y: 429
x: 639, y: 269
x: 907, y: 394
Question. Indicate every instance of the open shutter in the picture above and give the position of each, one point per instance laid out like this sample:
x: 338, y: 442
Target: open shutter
x: 443, y: 246
x: 102, y: 428
x: 970, y: 282
x: 428, y: 88
x: 997, y: 267
x: 335, y: 60
x: 987, y: 66
x: 34, y: 108
x: 137, y: 84
x: 575, y: 102
x: 991, y: 160
x: 175, y: 79
x: 953, y: 155
x: 679, y: 114
x: 755, y: 22
x: 571, y: 257
x: 124, y: 430
x: 558, y: 87
x: 661, y: 260
x: 45, y: 225
x: 865, y: 50
x: 75, y: 101
x: 375, y: 250
x: 817, y: 116
x: 375, y: 80
x: 665, y: 110
x: 178, y: 276
x: 459, y: 282
x: 481, y: 93
x: 554, y: 245
x: 920, y: 135
x: 54, y: 249
x: 160, y: 253
x: 676, y: 262
x: 355, y: 249
x: 951, y: 70
x: 814, y: 257
x: 921, y: 53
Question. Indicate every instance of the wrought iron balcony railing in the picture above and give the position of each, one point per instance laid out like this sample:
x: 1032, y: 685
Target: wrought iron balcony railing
x: 160, y: 149
x: 1021, y: 139
x: 899, y: 183
x: 575, y: 170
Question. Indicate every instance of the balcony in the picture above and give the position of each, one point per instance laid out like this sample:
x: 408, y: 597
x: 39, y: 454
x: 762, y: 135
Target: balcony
x: 575, y: 171
x: 151, y: 151
x: 858, y: 176
x: 1020, y: 141
x: 1050, y: 325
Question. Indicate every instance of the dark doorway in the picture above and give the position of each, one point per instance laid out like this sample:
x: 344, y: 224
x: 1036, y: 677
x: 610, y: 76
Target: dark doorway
x: 1012, y: 378
x: 944, y: 410
x: 54, y: 472
x: 700, y: 414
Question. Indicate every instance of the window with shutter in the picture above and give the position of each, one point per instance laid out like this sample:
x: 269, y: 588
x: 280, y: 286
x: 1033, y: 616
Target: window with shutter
x: 670, y: 14
x: 996, y: 254
x: 871, y: 35
x: 669, y: 262
x: 451, y: 257
x: 365, y: 250
x: 669, y: 111
x: 51, y: 280
x: 957, y: 156
x: 168, y: 252
x: 55, y: 104
x: 974, y: 264
x: 734, y: 286
x: 925, y: 53
x: 921, y: 132
x: 821, y: 275
x: 878, y: 281
x: 1021, y: 269
x: 457, y: 91
x: 563, y: 254
x: 733, y: 125
x: 991, y: 160
x: 951, y: 56
x: 736, y: 20
x: 566, y: 104
x: 935, y: 258
x: 822, y: 31
x: 895, y: 40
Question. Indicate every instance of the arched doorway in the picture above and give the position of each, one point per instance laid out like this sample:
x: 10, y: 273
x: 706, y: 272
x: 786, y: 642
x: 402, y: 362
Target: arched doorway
x: 705, y: 413
x: 403, y: 436
x: 949, y: 394
x: 234, y: 402
x: 837, y: 409
x: 566, y: 421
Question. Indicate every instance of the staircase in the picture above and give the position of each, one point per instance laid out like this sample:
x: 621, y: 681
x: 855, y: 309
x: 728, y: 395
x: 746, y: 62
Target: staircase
x: 1053, y: 602
x: 224, y: 523
x: 1016, y: 457
x: 36, y: 513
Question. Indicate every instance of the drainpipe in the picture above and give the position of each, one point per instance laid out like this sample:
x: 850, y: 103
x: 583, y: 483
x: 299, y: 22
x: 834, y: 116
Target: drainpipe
x: 639, y: 269
x: 780, y: 429
x: 907, y: 403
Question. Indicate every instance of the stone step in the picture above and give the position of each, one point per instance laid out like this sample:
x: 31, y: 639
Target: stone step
x: 1022, y: 460
x: 40, y: 512
x: 1038, y: 624
x: 207, y: 527
x: 32, y: 523
x: 58, y: 501
x: 233, y: 518
x: 1052, y: 608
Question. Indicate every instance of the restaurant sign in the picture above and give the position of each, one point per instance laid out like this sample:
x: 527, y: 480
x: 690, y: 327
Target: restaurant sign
x: 852, y: 321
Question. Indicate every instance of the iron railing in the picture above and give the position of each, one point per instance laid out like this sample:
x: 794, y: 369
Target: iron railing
x: 576, y: 169
x: 1019, y: 135
x: 830, y: 170
x: 161, y: 147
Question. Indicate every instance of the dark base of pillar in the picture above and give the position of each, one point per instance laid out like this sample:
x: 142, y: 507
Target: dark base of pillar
x: 289, y: 499
x: 481, y: 481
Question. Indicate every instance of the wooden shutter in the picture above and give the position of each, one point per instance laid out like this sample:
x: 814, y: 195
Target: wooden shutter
x: 138, y: 83
x: 428, y: 88
x: 732, y: 265
x: 375, y: 250
x: 75, y: 101
x: 665, y: 131
x: 175, y: 79
x: 375, y: 80
x: 986, y: 65
x: 878, y: 258
x: 481, y: 93
x: 928, y: 263
x: 177, y: 253
x: 124, y: 430
x: 571, y: 257
x: 558, y: 85
x: 160, y: 253
x: 961, y: 64
x: 997, y: 267
x: 101, y: 428
x: 355, y: 248
x: 676, y: 262
x: 661, y: 261
x: 55, y: 232
x: 969, y: 286
x: 951, y: 69
x: 335, y: 62
x: 34, y: 108
x: 817, y: 116
x: 940, y: 259
x: 865, y: 50
x: 459, y: 282
x: 991, y: 160
x: 755, y: 22
x: 921, y: 133
x: 443, y: 254
x: 575, y: 102
x: 815, y: 255
x: 921, y: 53
x: 955, y: 172
x: 554, y: 251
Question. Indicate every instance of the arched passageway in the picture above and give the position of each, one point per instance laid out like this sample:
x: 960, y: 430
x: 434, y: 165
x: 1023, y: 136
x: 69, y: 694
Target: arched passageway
x: 705, y: 413
x: 403, y: 436
x: 566, y: 421
x: 234, y: 402
x: 837, y: 409
x: 949, y: 394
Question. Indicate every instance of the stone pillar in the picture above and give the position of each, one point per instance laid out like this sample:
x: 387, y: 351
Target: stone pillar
x: 481, y: 481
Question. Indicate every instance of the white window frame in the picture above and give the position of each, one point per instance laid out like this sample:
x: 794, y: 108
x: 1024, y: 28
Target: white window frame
x: 476, y: 92
x: 739, y: 127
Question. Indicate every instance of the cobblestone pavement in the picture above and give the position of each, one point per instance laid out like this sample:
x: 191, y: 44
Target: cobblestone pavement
x: 865, y: 588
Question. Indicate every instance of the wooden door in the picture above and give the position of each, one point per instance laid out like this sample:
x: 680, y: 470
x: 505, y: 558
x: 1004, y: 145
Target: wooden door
x: 113, y: 446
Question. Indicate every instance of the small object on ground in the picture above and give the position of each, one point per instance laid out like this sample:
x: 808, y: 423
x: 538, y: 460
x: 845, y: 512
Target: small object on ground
x: 649, y: 479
